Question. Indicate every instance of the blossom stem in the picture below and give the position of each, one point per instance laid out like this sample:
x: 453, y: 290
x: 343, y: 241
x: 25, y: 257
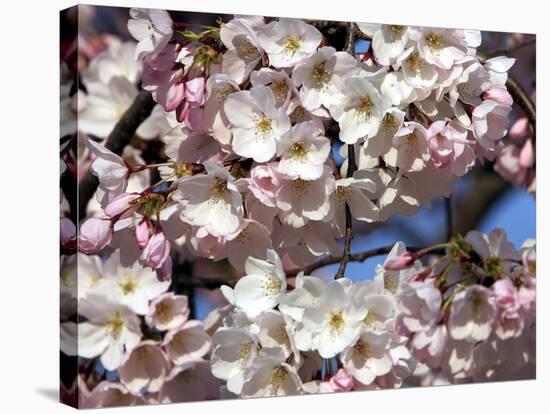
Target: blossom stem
x: 162, y: 164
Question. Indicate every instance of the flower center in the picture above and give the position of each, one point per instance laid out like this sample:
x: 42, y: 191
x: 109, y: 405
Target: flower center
x: 336, y: 322
x: 362, y: 349
x: 248, y: 50
x: 342, y: 193
x: 390, y: 124
x: 219, y: 187
x: 128, y: 286
x: 243, y: 236
x: 244, y: 351
x: 415, y: 62
x: 271, y: 286
x: 435, y: 42
x: 365, y: 106
x: 163, y: 311
x: 298, y: 115
x: 369, y: 319
x: 263, y: 126
x: 298, y: 150
x: 300, y: 187
x: 395, y: 32
x: 277, y: 378
x: 115, y: 325
x: 292, y: 45
x: 280, y: 90
x: 320, y: 75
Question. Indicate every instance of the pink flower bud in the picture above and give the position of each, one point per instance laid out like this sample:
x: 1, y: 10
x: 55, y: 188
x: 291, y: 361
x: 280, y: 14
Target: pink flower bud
x: 341, y: 382
x: 156, y: 251
x: 520, y: 128
x: 142, y: 233
x: 194, y: 91
x: 174, y: 96
x: 67, y: 233
x: 400, y: 262
x: 527, y: 155
x: 164, y: 273
x: 120, y: 204
x: 95, y: 234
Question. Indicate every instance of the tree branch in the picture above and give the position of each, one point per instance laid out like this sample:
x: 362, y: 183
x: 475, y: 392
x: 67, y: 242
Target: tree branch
x: 119, y: 137
x: 521, y: 98
x: 357, y: 257
x: 350, y: 48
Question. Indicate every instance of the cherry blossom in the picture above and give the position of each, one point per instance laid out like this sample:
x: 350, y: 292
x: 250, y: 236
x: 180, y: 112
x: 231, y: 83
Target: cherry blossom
x: 256, y: 123
x: 152, y: 28
x: 109, y: 332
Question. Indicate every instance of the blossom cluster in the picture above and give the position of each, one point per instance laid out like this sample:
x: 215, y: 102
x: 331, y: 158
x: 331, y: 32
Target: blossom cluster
x: 252, y: 114
x: 129, y: 325
x: 471, y: 316
x: 288, y: 337
x: 264, y: 142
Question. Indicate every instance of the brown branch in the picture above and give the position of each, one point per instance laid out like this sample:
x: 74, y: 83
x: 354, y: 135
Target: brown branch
x: 521, y: 98
x: 351, y: 33
x: 357, y: 257
x: 350, y: 48
x: 119, y: 137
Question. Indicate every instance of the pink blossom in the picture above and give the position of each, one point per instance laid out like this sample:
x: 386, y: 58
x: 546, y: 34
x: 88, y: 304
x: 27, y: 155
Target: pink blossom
x: 527, y: 155
x: 67, y: 233
x: 156, y: 251
x: 527, y: 297
x: 428, y: 345
x: 509, y: 320
x: 95, y: 234
x: 120, y: 205
x: 187, y: 343
x: 142, y: 233
x: 472, y: 314
x: 171, y: 95
x: 110, y: 169
x: 164, y: 273
x: 264, y: 182
x: 341, y: 382
x: 490, y: 122
x: 194, y: 91
x: 400, y: 262
x: 420, y: 306
x: 145, y: 368
x: 508, y: 165
x: 499, y: 94
x: 520, y: 129
x: 168, y: 311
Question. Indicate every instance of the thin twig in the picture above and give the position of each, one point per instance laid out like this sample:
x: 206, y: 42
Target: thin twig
x: 521, y: 98
x: 350, y: 48
x: 357, y: 257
